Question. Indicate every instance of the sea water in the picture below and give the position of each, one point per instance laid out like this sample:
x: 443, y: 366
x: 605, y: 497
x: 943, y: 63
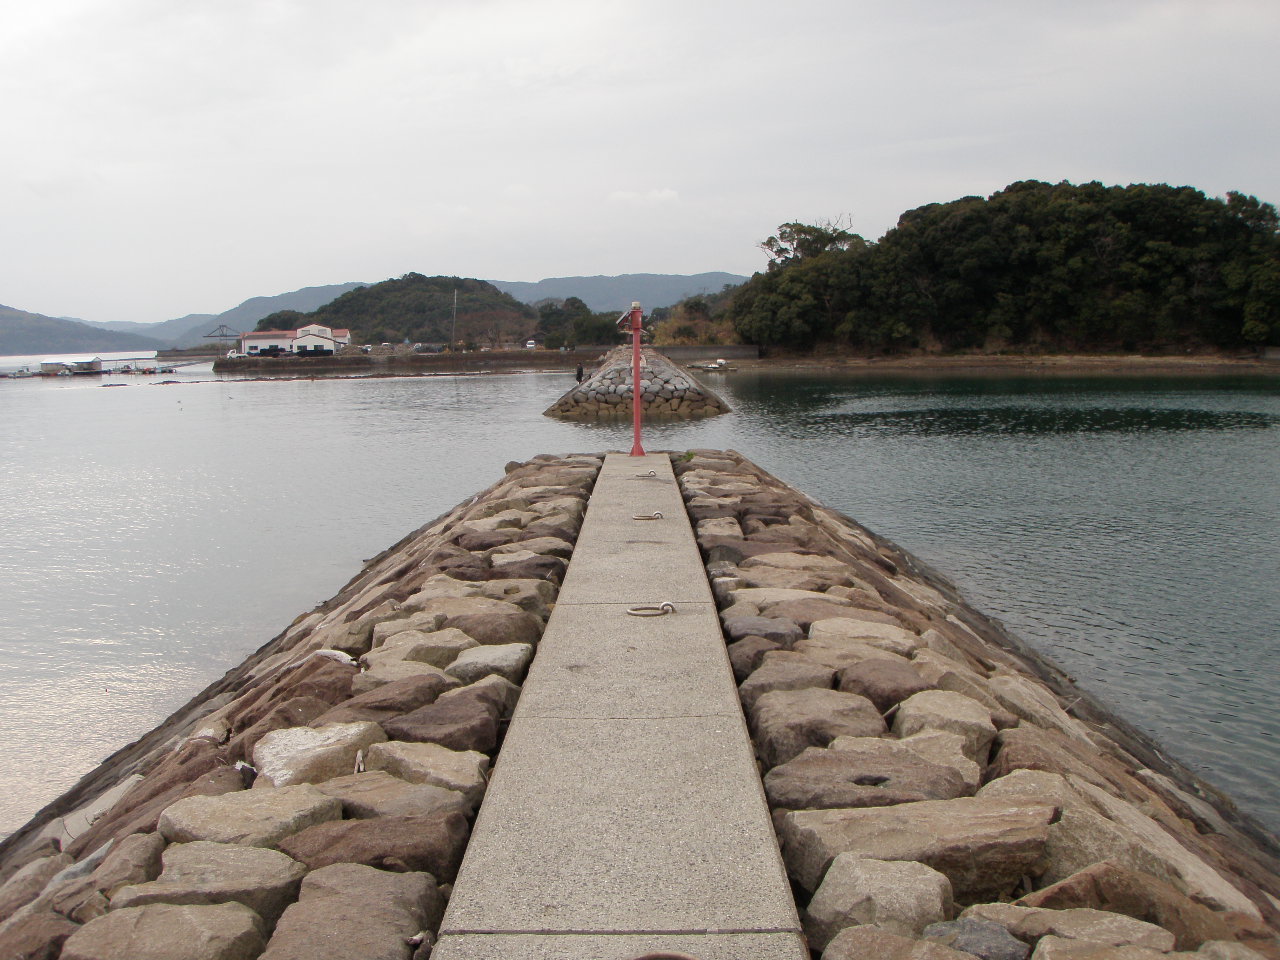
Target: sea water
x: 152, y: 534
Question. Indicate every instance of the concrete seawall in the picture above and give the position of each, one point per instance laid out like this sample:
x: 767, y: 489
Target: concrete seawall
x: 937, y: 791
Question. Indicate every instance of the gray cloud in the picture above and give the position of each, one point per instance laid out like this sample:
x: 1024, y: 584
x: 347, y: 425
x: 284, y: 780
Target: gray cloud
x: 165, y: 158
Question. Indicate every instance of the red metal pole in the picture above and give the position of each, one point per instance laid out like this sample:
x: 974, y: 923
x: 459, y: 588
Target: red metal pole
x: 636, y: 449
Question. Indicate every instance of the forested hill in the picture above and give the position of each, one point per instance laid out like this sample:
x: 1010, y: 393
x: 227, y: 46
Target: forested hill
x: 1036, y: 266
x: 418, y: 309
x: 617, y: 293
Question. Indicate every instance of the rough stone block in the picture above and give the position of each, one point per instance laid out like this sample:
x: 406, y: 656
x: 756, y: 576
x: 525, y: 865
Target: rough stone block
x: 951, y: 713
x: 784, y: 722
x: 433, y: 844
x: 898, y: 896
x: 506, y: 660
x: 256, y: 818
x: 465, y: 771
x: 226, y: 931
x: 308, y: 754
x: 376, y: 793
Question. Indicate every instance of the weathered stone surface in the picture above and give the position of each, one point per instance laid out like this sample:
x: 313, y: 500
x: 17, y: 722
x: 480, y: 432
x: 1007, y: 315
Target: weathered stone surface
x: 376, y: 793
x: 134, y: 859
x: 390, y: 671
x: 465, y: 771
x: 531, y: 595
x: 35, y: 935
x: 887, y: 636
x: 984, y: 848
x: 390, y: 699
x: 1227, y: 950
x: 486, y: 620
x: 745, y: 655
x: 944, y: 749
x: 418, y: 622
x: 1098, y: 926
x: 719, y: 527
x: 863, y: 772
x: 438, y: 647
x: 256, y: 818
x: 506, y: 660
x: 784, y: 670
x: 782, y: 632
x: 294, y: 712
x: 308, y: 754
x: 1061, y: 948
x: 1111, y: 886
x: 898, y: 896
x: 1186, y: 869
x: 25, y: 885
x: 784, y: 722
x: 982, y: 938
x: 202, y: 873
x: 839, y: 653
x: 1033, y: 702
x: 951, y: 713
x: 225, y: 931
x: 433, y: 844
x: 458, y: 722
x: 348, y: 911
x: 872, y: 943
x: 884, y: 682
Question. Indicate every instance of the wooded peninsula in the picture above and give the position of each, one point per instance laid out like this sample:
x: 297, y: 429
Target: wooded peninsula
x: 1035, y: 268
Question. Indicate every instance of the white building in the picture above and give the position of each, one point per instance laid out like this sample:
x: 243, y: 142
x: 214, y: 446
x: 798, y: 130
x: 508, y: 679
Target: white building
x: 314, y: 339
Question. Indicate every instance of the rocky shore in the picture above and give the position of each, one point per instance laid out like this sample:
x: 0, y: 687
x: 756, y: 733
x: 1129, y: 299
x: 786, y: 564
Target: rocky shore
x: 316, y: 801
x: 939, y: 792
x: 934, y: 795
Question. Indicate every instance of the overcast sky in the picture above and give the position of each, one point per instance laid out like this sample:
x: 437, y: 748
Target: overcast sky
x: 163, y: 158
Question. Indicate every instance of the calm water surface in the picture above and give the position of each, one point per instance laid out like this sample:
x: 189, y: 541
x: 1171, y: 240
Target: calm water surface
x: 153, y: 535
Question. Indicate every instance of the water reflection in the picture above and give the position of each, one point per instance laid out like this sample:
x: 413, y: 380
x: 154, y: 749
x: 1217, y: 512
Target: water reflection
x: 967, y: 421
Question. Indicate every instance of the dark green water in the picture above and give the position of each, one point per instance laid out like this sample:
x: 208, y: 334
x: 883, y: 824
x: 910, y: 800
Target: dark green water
x: 152, y: 536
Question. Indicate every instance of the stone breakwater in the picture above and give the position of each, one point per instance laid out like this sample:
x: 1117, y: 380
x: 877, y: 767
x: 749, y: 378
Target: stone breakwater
x: 317, y: 801
x: 939, y: 793
x: 935, y: 798
x: 667, y: 391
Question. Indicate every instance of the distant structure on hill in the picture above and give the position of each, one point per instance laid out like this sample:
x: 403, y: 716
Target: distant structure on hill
x: 312, y: 340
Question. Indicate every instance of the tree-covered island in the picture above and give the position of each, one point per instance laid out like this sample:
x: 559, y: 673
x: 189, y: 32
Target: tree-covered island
x: 1036, y: 267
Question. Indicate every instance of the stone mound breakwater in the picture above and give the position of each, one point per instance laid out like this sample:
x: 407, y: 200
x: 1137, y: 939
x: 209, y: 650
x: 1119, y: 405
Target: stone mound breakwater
x: 667, y: 391
x: 937, y: 790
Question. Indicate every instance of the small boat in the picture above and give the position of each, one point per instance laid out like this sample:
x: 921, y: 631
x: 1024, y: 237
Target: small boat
x: 720, y: 364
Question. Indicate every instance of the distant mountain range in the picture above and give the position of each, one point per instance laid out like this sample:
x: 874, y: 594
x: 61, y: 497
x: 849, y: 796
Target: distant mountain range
x: 23, y: 333
x: 617, y: 293
x: 32, y: 333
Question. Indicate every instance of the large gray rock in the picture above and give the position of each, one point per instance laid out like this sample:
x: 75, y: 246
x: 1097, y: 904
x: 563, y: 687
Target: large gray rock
x: 202, y: 873
x: 34, y: 934
x: 862, y: 772
x: 225, y: 931
x: 389, y: 671
x: 784, y: 670
x: 256, y: 818
x: 25, y: 885
x: 134, y: 859
x: 784, y: 722
x: 376, y: 793
x: 872, y: 943
x: 1029, y: 924
x: 951, y: 713
x: 884, y: 682
x: 432, y: 844
x: 506, y: 660
x: 898, y: 896
x: 484, y: 619
x: 352, y: 912
x: 745, y: 655
x: 984, y: 848
x: 841, y: 652
x: 875, y: 633
x: 310, y: 754
x: 1061, y: 948
x: 982, y: 938
x: 782, y: 632
x: 947, y: 750
x: 466, y: 771
x: 438, y: 647
x: 390, y: 699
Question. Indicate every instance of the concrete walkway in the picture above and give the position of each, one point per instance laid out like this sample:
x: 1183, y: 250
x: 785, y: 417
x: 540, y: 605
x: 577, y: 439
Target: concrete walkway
x: 625, y: 815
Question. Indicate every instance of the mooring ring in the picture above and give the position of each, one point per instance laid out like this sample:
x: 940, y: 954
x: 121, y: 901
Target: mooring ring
x: 646, y: 476
x: 657, y: 610
x: 656, y: 515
